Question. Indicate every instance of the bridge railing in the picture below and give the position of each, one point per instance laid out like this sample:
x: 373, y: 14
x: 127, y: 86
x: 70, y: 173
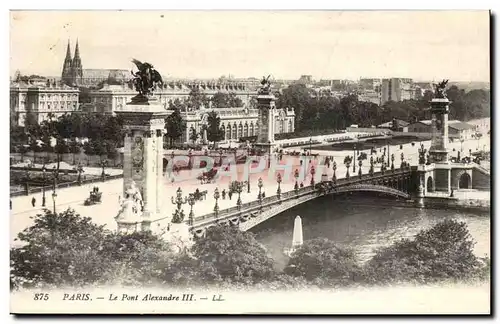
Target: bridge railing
x: 293, y: 194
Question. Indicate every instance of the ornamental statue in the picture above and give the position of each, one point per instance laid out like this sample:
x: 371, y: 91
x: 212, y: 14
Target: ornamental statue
x: 441, y: 89
x: 146, y: 79
x: 266, y: 85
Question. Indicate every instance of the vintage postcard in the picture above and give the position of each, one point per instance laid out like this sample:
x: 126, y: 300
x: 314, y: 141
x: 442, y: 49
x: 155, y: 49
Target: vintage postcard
x: 250, y: 162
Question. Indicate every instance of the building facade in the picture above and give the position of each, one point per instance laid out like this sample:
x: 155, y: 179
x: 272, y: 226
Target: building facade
x: 397, y: 89
x: 236, y: 122
x: 112, y: 98
x: 456, y: 128
x: 43, y: 101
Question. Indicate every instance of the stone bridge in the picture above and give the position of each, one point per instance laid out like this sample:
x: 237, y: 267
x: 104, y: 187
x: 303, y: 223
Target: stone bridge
x: 397, y: 183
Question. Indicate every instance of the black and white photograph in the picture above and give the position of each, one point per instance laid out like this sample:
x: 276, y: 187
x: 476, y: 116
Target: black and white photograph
x: 250, y: 162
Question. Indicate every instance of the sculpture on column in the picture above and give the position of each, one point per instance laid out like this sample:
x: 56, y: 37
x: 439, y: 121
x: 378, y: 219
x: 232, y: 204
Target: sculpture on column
x: 441, y: 89
x: 266, y: 85
x: 146, y: 79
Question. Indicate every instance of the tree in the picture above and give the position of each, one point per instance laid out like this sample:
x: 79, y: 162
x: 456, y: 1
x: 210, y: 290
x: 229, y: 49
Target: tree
x: 69, y: 250
x: 321, y: 259
x: 62, y: 249
x: 197, y: 99
x: 175, y: 126
x: 193, y: 135
x: 74, y: 148
x: 214, y: 132
x: 444, y: 251
x: 177, y: 104
x: 60, y: 148
x: 228, y: 254
x: 226, y: 100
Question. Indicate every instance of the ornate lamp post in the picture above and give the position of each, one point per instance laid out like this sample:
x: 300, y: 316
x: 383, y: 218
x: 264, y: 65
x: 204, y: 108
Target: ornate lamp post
x: 392, y: 160
x: 216, y: 197
x: 354, y: 160
x: 43, y: 188
x: 334, y: 177
x: 371, y: 166
x: 313, y: 172
x: 347, y: 162
x: 178, y: 215
x: 190, y: 165
x: 402, y: 159
x: 278, y: 180
x: 103, y: 165
x: 421, y: 154
x: 296, y: 176
x: 54, y: 193
x: 360, y: 163
x: 238, y: 188
x: 260, y: 184
x: 80, y: 170
x: 191, y: 201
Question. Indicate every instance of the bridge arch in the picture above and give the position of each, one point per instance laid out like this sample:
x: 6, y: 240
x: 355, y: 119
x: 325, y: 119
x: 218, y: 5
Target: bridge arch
x: 464, y: 181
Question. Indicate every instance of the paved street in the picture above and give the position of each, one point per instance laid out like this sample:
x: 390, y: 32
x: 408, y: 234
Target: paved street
x: 105, y: 212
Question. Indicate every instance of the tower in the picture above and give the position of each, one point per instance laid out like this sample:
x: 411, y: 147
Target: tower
x: 438, y: 152
x: 267, y: 110
x: 143, y: 158
x: 76, y: 67
x: 66, y: 75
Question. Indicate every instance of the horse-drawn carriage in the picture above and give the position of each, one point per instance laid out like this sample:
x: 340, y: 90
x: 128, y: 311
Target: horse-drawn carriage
x: 94, y: 198
x: 207, y: 177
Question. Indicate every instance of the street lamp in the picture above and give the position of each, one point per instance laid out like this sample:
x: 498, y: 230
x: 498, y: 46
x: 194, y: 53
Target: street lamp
x: 278, y: 180
x: 347, y: 162
x: 103, y: 165
x: 191, y: 201
x: 371, y: 166
x: 54, y: 194
x: 402, y: 159
x: 296, y: 176
x: 238, y: 187
x: 80, y: 171
x: 260, y: 184
x: 354, y: 157
x: 216, y: 208
x: 178, y: 201
x: 334, y: 177
x: 360, y: 163
x: 392, y: 160
x: 313, y: 171
x: 43, y: 188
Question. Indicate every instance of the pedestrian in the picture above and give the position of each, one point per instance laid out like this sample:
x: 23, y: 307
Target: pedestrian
x: 10, y: 204
x: 224, y: 194
x: 33, y: 201
x: 230, y: 194
x: 43, y: 201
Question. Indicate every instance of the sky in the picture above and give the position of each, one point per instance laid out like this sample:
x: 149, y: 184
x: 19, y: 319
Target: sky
x: 425, y: 45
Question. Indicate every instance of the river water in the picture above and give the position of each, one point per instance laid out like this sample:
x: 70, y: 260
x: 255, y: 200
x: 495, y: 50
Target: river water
x: 364, y: 222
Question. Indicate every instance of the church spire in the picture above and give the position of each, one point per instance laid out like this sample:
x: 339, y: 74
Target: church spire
x: 68, y: 53
x: 77, y: 51
x: 67, y: 67
x: 76, y: 66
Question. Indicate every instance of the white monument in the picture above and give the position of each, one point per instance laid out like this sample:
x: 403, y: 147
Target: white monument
x: 297, y: 239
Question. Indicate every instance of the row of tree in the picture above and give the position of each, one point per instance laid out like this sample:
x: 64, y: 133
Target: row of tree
x: 325, y: 111
x: 198, y: 99
x: 104, y: 134
x: 53, y: 256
